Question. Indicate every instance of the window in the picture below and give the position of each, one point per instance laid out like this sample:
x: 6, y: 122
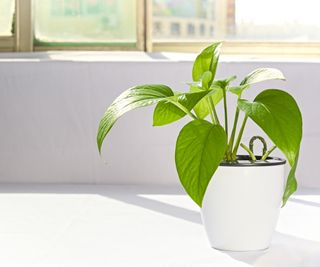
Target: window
x: 85, y: 21
x: 246, y: 26
x: 202, y: 29
x: 6, y: 17
x: 290, y: 20
x: 191, y: 29
x: 7, y: 8
x: 282, y: 25
x: 243, y: 20
x: 175, y: 29
x: 193, y: 16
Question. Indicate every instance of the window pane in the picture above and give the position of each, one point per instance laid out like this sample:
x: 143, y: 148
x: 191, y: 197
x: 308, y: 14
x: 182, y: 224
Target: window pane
x: 85, y: 21
x: 247, y: 20
x: 186, y: 19
x: 6, y: 17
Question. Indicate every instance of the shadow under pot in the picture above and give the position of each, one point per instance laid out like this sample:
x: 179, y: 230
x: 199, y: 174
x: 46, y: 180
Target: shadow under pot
x: 241, y: 206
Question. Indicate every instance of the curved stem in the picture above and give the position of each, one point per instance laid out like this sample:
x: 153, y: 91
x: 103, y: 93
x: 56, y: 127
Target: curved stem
x: 235, y: 150
x: 249, y: 151
x: 264, y: 157
x: 261, y: 139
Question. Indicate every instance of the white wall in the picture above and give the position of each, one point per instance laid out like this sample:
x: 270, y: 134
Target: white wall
x: 50, y: 109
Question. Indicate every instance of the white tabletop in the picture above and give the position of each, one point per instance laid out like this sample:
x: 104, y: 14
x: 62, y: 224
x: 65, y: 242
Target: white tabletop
x: 129, y: 226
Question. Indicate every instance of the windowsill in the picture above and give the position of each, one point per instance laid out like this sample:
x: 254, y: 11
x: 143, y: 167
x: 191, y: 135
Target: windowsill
x: 112, y: 56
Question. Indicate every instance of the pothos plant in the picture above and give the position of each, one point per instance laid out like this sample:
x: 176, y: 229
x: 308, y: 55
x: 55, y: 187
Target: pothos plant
x: 204, y: 143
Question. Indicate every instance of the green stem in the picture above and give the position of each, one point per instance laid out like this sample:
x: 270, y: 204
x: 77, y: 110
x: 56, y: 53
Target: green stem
x: 210, y: 111
x: 264, y: 157
x: 234, y: 128
x: 249, y: 151
x: 261, y: 139
x: 214, y: 110
x: 225, y: 111
x: 233, y: 133
x: 184, y: 109
x: 235, y: 150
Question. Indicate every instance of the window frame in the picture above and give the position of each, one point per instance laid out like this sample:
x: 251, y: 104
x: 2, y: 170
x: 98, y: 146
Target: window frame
x: 7, y: 43
x: 241, y: 48
x: 139, y: 45
x: 23, y: 39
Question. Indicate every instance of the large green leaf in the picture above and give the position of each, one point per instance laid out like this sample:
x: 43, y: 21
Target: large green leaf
x: 202, y: 108
x: 167, y: 110
x: 200, y: 148
x: 206, y: 79
x: 135, y: 97
x: 278, y: 114
x: 291, y: 185
x: 207, y: 60
x: 256, y: 76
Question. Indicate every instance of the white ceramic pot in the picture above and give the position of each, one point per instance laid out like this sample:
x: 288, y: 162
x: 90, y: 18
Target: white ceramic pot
x: 241, y: 205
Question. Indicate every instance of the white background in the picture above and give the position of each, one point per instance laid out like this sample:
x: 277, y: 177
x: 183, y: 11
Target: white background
x: 50, y: 109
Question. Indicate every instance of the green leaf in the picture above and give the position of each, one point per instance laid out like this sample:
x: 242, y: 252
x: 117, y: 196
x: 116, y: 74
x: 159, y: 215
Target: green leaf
x: 200, y: 149
x: 223, y: 83
x: 237, y: 90
x: 135, y: 97
x: 206, y: 78
x: 207, y: 60
x: 167, y: 110
x: 278, y: 114
x: 230, y: 79
x: 256, y: 76
x: 202, y: 108
x: 291, y: 185
x: 262, y: 74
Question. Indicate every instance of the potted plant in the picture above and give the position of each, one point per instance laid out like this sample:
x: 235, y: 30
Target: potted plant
x: 239, y: 196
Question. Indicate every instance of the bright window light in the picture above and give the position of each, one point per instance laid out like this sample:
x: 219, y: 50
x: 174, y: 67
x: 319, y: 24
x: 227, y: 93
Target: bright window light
x: 6, y: 17
x: 85, y: 21
x: 239, y: 20
x: 284, y: 20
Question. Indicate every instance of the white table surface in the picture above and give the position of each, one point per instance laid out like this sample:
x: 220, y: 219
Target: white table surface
x: 137, y: 226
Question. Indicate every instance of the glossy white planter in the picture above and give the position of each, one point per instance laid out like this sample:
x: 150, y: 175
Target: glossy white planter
x: 241, y: 205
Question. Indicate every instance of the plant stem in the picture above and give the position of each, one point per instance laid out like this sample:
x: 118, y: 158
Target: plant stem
x: 264, y: 157
x: 225, y: 111
x: 261, y: 139
x: 233, y: 133
x: 234, y: 128
x: 184, y: 109
x: 210, y: 111
x: 235, y: 150
x: 214, y: 110
x: 249, y: 151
